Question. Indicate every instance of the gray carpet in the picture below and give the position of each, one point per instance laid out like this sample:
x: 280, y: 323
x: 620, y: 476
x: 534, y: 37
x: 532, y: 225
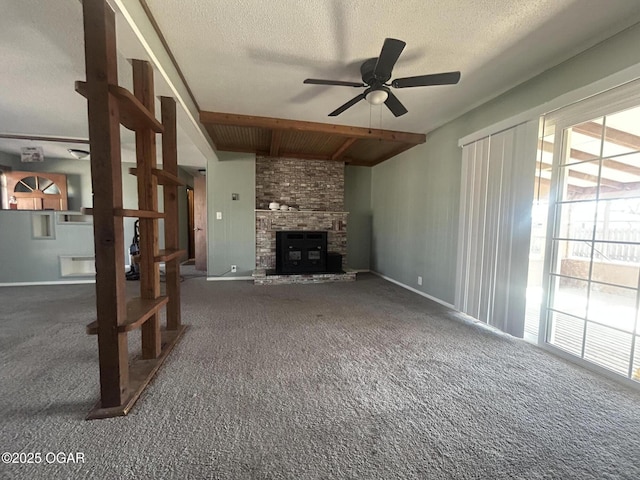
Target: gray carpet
x: 359, y: 380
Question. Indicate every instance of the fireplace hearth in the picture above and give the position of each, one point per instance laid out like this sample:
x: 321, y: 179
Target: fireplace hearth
x: 301, y: 251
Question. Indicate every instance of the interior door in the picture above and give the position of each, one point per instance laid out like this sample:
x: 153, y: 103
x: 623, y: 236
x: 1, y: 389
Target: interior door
x: 191, y: 225
x: 200, y: 221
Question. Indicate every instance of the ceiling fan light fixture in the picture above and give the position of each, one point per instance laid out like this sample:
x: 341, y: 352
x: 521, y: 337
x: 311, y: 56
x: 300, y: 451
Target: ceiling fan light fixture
x: 79, y: 154
x: 377, y: 97
x: 377, y: 71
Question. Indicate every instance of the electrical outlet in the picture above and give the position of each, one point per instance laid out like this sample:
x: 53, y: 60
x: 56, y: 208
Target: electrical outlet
x: 419, y: 280
x: 234, y: 268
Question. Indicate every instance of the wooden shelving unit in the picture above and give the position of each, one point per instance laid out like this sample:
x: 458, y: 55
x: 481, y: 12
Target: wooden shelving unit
x: 109, y: 106
x: 138, y: 311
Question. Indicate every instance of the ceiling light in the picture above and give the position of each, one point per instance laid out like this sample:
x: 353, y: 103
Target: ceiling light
x: 79, y: 154
x: 377, y: 97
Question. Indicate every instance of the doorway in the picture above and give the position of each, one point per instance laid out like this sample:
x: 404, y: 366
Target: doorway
x: 590, y: 289
x: 200, y: 221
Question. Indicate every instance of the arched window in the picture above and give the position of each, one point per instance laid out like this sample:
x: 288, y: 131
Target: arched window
x: 37, y: 191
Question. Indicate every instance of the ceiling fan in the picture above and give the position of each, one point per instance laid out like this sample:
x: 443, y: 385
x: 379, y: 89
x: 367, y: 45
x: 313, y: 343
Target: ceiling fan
x: 377, y: 71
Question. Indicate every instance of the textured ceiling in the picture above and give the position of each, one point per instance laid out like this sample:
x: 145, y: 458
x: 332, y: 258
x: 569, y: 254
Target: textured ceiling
x: 42, y: 55
x: 250, y: 56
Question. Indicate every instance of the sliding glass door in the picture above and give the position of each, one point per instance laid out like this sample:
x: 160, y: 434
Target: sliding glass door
x: 593, y: 263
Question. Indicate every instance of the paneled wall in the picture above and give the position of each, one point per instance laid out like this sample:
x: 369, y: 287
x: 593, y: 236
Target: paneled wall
x: 416, y: 195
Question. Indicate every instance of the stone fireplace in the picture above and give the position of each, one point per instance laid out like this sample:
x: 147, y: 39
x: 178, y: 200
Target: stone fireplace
x: 315, y: 188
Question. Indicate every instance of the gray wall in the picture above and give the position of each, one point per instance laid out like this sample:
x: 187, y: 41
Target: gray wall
x: 415, y: 196
x: 24, y: 258
x: 232, y: 240
x: 7, y: 159
x: 357, y: 201
x: 37, y: 260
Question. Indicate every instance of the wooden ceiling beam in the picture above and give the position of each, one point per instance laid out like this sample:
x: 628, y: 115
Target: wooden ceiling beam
x: 276, y: 139
x: 358, y: 163
x: 304, y: 156
x: 607, y: 163
x: 267, y: 153
x: 214, y: 136
x: 242, y: 149
x: 402, y: 148
x: 575, y: 154
x: 613, y: 135
x: 585, y: 177
x: 629, y: 190
x: 338, y: 154
x: 217, y: 118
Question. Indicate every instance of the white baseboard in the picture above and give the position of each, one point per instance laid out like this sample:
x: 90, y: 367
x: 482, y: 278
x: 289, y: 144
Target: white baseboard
x: 223, y: 279
x: 414, y: 290
x: 33, y: 284
x: 460, y: 315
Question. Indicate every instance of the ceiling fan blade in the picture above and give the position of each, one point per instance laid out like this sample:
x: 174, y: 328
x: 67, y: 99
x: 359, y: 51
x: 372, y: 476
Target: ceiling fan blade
x: 394, y: 105
x: 389, y: 55
x: 448, y: 78
x: 349, y: 104
x: 315, y: 81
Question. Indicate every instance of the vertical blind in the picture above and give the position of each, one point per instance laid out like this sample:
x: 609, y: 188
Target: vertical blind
x: 495, y: 227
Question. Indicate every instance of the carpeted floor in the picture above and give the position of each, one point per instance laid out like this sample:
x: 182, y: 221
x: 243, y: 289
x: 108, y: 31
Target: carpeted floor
x: 358, y: 380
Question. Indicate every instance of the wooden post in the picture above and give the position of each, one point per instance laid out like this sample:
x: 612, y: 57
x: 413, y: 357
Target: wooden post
x: 170, y: 194
x: 109, y: 105
x: 106, y: 180
x: 147, y: 200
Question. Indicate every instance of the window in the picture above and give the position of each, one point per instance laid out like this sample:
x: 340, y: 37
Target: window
x: 36, y: 191
x: 595, y: 267
x: 592, y: 265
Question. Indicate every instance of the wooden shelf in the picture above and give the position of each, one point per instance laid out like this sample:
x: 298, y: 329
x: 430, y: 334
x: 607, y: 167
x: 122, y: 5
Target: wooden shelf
x: 138, y: 311
x: 123, y: 212
x: 140, y: 374
x: 167, y: 255
x: 137, y: 213
x: 133, y: 114
x: 164, y: 177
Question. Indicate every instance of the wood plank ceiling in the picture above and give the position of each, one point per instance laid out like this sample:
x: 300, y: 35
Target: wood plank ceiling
x: 278, y: 137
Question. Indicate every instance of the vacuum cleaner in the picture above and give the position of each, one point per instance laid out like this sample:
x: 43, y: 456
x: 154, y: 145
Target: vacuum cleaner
x: 134, y: 254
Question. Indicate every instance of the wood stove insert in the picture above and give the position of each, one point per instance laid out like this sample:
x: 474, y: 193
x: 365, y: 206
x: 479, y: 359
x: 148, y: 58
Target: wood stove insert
x: 301, y: 251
